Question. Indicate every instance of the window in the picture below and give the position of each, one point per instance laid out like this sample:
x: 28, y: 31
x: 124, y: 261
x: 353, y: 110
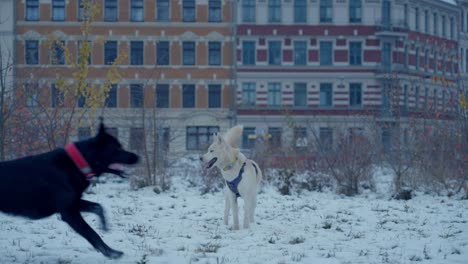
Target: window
x: 248, y: 138
x: 248, y: 94
x: 326, y: 11
x: 355, y: 11
x: 57, y: 53
x: 111, y: 99
x: 426, y: 21
x: 214, y: 53
x: 326, y: 139
x: 300, y: 53
x: 188, y: 10
x: 386, y: 14
x: 452, y: 28
x: 214, y: 96
x: 274, y: 136
x: 417, y: 58
x: 188, y: 96
x: 444, y: 27
x: 300, y: 94
x: 136, y: 11
x: 248, y: 52
x: 162, y: 53
x: 405, y: 15
x: 387, y: 56
x: 436, y: 62
x: 163, y: 10
x: 386, y: 139
x: 274, y: 11
x: 83, y: 50
x: 110, y: 52
x: 162, y: 95
x: 58, y: 10
x: 56, y: 95
x: 405, y: 99
x: 300, y: 137
x: 326, y: 56
x: 137, y: 138
x: 426, y: 98
x: 31, y: 92
x: 436, y: 102
x: 200, y: 137
x: 32, y: 10
x: 434, y: 23
x: 386, y: 97
x: 214, y: 11
x: 274, y: 94
x: 136, y: 95
x: 355, y: 95
x: 163, y: 138
x: 426, y: 60
x: 188, y: 53
x: 443, y: 66
x: 406, y: 54
x: 136, y: 52
x: 110, y: 10
x: 82, y: 99
x: 355, y: 53
x: 274, y: 52
x: 466, y: 61
x: 416, y: 18
x: 462, y: 18
x: 248, y: 11
x: 32, y: 52
x: 416, y: 97
x: 83, y: 11
x: 443, y: 100
x: 326, y: 94
x: 300, y: 11
x: 84, y: 133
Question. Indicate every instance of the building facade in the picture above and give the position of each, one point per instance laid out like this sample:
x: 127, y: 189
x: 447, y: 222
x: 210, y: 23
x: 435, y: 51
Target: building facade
x: 315, y: 66
x: 297, y: 65
x: 177, y: 71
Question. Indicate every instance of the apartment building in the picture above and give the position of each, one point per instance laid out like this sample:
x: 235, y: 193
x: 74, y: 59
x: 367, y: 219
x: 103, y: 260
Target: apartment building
x: 300, y: 65
x: 178, y: 69
x: 314, y: 66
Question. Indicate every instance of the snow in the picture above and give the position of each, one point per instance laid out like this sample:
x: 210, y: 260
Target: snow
x: 450, y: 2
x: 182, y: 226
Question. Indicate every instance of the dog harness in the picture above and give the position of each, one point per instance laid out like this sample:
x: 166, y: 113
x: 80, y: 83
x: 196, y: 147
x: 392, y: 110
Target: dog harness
x: 234, y: 183
x: 79, y: 160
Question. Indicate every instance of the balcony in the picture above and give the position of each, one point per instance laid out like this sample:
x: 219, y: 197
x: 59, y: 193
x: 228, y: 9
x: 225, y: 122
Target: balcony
x: 389, y: 28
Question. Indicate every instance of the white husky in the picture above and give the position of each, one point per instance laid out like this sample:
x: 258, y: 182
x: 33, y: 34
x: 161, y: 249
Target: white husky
x: 241, y: 175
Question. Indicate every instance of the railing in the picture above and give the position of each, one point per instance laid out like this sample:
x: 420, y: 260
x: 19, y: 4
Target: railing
x: 399, y: 26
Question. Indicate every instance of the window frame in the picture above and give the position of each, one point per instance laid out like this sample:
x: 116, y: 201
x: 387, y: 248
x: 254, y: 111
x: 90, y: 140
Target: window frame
x: 189, y: 94
x: 137, y: 53
x: 189, y: 56
x: 193, y: 132
x: 137, y: 95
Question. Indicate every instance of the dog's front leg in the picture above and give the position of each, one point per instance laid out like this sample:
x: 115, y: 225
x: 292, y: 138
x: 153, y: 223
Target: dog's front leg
x: 235, y: 210
x: 95, y: 208
x: 73, y: 217
x: 227, y: 207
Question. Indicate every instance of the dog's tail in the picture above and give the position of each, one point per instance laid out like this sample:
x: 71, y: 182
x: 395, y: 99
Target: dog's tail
x: 233, y: 135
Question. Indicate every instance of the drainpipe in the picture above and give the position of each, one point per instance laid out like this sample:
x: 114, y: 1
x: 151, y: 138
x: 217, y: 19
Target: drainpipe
x: 233, y: 66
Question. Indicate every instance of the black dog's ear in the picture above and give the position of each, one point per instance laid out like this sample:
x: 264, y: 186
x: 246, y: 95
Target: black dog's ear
x: 102, y: 129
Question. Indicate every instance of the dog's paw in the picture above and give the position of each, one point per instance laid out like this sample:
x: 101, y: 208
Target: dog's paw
x: 113, y: 254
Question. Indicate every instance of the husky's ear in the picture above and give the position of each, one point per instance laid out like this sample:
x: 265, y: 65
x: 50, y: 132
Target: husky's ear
x: 219, y: 139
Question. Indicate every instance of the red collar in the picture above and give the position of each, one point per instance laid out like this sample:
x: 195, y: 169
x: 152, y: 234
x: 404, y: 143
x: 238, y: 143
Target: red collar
x: 79, y: 160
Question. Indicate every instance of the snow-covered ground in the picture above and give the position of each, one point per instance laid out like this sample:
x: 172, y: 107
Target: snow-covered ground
x: 183, y: 226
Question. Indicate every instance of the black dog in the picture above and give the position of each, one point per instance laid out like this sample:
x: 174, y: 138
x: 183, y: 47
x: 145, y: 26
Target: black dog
x: 39, y: 186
